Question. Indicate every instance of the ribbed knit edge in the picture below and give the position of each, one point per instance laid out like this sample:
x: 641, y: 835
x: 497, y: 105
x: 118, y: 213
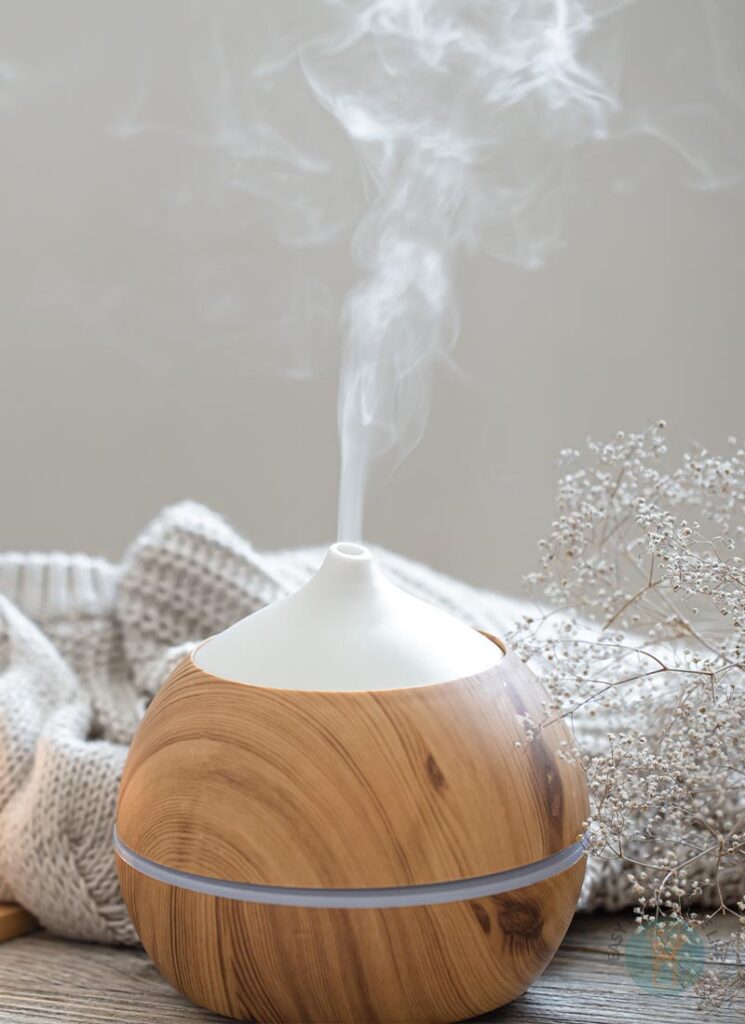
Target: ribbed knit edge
x: 54, y: 585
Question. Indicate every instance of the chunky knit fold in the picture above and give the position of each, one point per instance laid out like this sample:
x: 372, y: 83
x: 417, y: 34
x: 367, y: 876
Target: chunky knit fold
x: 57, y: 585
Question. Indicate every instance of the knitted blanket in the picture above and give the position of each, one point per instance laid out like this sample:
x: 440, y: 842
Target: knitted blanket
x: 85, y: 644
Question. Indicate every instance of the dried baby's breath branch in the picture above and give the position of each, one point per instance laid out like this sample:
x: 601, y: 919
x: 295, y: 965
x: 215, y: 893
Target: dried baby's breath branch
x: 643, y: 652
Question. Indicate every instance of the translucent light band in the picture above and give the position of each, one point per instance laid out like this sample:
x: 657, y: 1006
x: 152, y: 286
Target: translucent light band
x: 378, y: 898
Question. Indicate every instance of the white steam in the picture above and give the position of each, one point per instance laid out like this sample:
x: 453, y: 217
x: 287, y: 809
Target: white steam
x: 467, y: 117
x: 411, y: 131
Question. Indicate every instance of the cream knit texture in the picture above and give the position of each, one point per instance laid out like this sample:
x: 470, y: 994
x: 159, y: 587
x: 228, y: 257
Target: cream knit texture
x: 84, y: 645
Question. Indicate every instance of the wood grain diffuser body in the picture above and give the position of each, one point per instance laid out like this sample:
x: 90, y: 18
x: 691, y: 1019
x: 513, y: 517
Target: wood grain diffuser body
x: 330, y: 812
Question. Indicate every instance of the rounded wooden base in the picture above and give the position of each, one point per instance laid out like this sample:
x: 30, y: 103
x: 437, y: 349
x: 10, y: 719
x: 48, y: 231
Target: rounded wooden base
x: 436, y: 963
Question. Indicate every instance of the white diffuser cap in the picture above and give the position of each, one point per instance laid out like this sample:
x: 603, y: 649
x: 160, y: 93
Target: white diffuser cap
x: 349, y: 628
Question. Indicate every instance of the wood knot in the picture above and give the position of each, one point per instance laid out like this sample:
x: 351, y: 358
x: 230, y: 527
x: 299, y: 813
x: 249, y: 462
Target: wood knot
x: 554, y: 794
x: 520, y: 917
x: 548, y: 784
x: 482, y: 916
x: 434, y: 773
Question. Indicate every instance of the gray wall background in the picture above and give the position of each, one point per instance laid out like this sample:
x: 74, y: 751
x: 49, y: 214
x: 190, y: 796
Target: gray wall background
x: 154, y: 347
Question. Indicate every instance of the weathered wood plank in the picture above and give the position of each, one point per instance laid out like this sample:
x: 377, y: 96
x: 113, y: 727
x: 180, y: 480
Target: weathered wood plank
x: 48, y: 981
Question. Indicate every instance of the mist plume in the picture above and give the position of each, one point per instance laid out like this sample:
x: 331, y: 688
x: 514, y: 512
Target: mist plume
x: 468, y: 119
x: 409, y: 132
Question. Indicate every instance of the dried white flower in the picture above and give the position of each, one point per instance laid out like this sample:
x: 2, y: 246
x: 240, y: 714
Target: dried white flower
x: 644, y: 574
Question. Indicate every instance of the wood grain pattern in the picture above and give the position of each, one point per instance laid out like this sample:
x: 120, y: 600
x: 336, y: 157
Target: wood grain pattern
x: 428, y: 964
x: 14, y: 921
x: 348, y: 789
x: 45, y: 980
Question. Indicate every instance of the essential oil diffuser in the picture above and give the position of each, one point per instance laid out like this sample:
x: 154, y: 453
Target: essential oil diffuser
x: 330, y: 812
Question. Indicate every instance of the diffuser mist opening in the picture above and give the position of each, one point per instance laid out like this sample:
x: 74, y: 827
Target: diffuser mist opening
x: 350, y: 550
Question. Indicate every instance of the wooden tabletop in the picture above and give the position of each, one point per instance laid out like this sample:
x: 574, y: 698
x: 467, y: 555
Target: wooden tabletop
x: 43, y: 979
